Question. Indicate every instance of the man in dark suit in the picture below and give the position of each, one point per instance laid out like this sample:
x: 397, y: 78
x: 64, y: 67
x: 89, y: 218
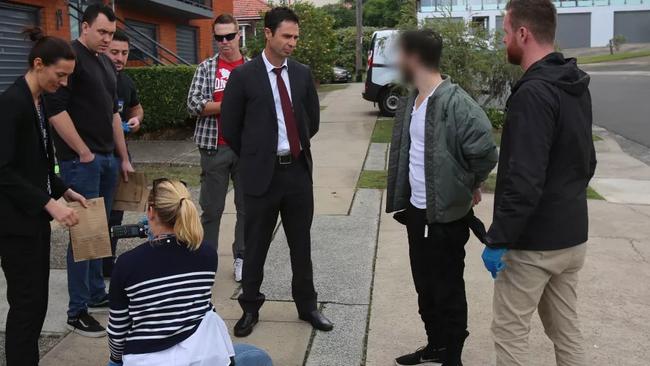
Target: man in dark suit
x: 270, y: 112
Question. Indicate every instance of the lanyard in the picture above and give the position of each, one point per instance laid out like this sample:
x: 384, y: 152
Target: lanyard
x: 43, y: 128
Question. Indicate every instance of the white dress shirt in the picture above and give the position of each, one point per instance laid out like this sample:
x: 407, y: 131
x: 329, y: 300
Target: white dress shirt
x: 416, y: 154
x: 283, y: 141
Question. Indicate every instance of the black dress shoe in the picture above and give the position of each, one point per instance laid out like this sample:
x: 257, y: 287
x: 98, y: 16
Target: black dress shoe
x: 317, y: 320
x: 245, y: 324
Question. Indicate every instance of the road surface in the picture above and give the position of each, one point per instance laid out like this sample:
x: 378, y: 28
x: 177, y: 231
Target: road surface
x: 621, y: 98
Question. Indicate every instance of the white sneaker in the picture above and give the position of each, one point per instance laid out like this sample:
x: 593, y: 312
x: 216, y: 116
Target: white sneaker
x: 239, y: 265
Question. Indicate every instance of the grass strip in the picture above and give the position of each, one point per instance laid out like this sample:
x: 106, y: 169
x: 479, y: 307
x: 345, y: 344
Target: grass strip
x: 188, y: 174
x: 583, y: 60
x: 383, y: 130
x: 372, y: 179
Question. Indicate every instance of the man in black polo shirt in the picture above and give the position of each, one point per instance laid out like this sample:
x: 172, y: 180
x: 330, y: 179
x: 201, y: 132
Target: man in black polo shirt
x: 88, y: 131
x: 131, y: 114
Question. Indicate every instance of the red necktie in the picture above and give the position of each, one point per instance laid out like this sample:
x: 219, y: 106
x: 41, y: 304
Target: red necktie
x: 289, y: 118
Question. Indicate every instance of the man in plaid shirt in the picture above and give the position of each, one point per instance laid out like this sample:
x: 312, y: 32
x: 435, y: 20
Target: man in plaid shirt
x: 218, y: 161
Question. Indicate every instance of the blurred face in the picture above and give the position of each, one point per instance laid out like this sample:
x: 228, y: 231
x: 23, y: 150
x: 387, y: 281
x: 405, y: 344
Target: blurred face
x: 98, y: 35
x: 227, y: 38
x: 285, y: 39
x: 514, y: 40
x: 50, y: 78
x: 118, y: 52
x: 407, y: 64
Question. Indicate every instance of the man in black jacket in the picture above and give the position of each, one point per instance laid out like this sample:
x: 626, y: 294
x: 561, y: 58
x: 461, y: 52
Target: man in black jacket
x: 270, y: 112
x: 536, y: 244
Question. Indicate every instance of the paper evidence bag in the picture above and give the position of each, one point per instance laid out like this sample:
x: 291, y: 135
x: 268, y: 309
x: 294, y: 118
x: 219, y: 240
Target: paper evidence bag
x: 90, y: 238
x: 132, y: 195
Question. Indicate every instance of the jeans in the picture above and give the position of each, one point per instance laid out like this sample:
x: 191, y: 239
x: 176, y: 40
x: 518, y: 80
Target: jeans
x: 218, y: 167
x: 247, y: 355
x: 437, y: 265
x: 92, y: 180
x: 26, y: 265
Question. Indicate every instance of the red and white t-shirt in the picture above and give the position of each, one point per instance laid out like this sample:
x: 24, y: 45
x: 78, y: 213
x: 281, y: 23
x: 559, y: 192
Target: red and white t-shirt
x: 224, y: 68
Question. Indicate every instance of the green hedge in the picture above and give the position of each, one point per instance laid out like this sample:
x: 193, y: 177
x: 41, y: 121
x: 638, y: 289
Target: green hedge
x: 345, y: 46
x: 163, y: 94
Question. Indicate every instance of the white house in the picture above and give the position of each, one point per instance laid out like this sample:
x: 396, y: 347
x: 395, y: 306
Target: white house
x: 581, y: 23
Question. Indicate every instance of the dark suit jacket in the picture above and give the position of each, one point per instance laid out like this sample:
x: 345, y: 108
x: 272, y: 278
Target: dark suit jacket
x: 24, y: 164
x: 250, y: 125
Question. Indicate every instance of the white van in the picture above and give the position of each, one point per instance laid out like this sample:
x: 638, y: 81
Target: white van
x: 382, y: 76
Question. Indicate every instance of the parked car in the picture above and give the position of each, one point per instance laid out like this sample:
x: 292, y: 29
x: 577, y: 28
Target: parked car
x: 382, y: 78
x: 341, y: 75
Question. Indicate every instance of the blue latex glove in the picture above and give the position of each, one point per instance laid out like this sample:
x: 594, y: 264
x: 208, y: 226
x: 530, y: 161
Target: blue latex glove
x: 126, y: 127
x: 492, y: 260
x: 112, y: 363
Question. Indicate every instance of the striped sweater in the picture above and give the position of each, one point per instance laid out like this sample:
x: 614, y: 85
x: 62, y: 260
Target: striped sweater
x: 159, y: 293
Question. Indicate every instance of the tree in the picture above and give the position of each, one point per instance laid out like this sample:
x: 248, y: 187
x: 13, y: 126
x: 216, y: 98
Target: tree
x: 342, y: 14
x: 381, y: 13
x: 317, y: 40
x: 408, y: 18
x: 474, y: 59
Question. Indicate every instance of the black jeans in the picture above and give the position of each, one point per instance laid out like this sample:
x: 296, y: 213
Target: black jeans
x: 437, y: 253
x: 291, y: 197
x: 26, y: 264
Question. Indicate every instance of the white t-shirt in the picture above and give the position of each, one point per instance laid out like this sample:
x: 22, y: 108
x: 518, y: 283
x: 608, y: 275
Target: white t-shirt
x: 416, y: 154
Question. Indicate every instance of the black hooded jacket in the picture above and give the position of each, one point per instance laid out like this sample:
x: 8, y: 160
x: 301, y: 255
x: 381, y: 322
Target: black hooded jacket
x: 546, y: 161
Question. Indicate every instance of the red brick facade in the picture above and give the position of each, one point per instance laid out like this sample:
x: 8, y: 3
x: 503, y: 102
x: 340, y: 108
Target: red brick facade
x: 166, y: 26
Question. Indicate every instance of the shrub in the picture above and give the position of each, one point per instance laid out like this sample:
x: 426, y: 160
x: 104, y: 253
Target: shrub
x: 317, y: 40
x: 163, y: 94
x: 475, y: 60
x: 496, y: 116
x: 345, y: 47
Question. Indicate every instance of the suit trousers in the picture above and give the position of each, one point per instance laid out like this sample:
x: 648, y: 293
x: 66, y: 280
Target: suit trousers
x: 545, y: 281
x: 26, y: 265
x: 290, y: 196
x: 437, y: 254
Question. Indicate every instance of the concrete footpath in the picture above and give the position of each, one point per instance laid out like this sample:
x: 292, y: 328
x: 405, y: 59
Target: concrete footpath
x: 362, y: 270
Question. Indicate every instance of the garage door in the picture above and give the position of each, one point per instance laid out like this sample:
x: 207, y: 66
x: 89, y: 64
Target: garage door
x: 634, y: 25
x: 186, y: 46
x: 573, y: 30
x: 14, y: 48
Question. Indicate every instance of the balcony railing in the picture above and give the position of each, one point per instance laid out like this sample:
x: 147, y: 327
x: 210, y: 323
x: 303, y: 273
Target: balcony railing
x: 205, y: 4
x: 464, y: 5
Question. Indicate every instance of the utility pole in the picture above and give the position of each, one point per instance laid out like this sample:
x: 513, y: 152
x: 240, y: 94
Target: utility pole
x: 359, y: 49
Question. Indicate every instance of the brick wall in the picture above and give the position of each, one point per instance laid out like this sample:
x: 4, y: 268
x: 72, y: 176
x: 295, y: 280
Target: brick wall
x: 166, y: 26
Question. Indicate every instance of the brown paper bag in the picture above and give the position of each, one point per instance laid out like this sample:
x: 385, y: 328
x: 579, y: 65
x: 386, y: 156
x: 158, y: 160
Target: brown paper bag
x: 133, y: 195
x: 90, y: 238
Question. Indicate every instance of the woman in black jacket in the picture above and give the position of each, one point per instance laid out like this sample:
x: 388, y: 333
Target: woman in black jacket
x: 29, y: 190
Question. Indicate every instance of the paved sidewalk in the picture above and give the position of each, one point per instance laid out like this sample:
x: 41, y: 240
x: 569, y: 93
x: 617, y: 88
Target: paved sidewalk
x: 344, y: 242
x: 362, y: 270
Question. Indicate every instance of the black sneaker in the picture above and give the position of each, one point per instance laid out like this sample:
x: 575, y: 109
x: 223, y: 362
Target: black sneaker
x: 423, y: 356
x: 101, y: 305
x: 85, y: 325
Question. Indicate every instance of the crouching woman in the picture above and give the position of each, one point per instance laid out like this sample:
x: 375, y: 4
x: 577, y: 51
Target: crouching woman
x: 160, y: 308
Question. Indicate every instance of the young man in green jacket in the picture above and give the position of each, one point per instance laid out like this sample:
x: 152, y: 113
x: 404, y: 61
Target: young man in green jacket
x: 442, y: 150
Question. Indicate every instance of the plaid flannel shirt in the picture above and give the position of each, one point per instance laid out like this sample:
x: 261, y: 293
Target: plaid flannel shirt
x: 201, y: 92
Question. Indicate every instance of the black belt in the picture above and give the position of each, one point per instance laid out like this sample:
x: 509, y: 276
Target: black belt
x: 285, y: 159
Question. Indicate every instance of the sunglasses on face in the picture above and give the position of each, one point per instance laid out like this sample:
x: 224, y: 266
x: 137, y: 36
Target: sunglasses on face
x: 156, y: 182
x: 227, y: 37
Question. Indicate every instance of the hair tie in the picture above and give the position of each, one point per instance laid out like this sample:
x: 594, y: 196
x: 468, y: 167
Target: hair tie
x: 182, y: 199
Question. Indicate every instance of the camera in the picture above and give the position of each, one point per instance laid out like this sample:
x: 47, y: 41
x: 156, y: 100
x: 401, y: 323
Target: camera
x: 139, y: 230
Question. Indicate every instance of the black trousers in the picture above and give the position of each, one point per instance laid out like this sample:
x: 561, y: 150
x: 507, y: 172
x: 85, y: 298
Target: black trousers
x: 437, y: 253
x: 115, y: 219
x: 26, y: 264
x: 291, y: 196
